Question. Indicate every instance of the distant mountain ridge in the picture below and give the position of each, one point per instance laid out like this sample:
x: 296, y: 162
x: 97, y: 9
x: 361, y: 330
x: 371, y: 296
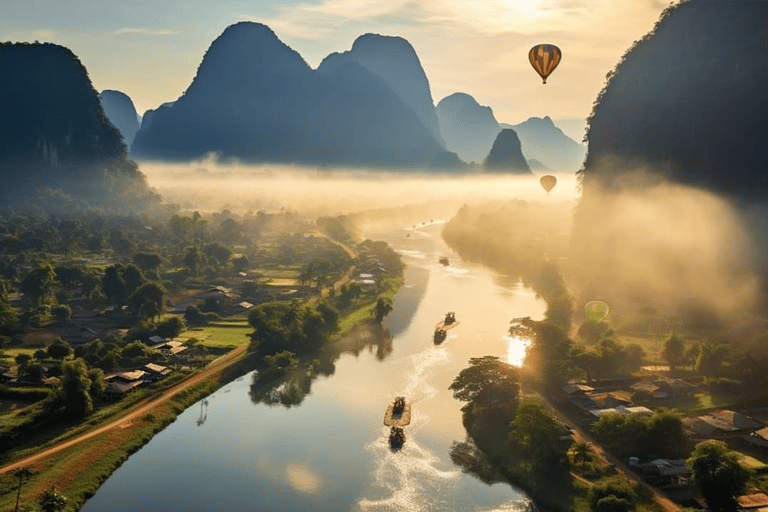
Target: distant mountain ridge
x: 506, y: 154
x: 468, y: 128
x: 256, y: 99
x: 545, y: 142
x: 55, y: 133
x: 119, y: 108
x: 396, y: 62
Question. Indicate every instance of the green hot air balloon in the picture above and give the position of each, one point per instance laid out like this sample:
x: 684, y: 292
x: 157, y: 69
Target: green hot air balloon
x: 544, y: 59
x: 548, y: 182
x: 596, y: 310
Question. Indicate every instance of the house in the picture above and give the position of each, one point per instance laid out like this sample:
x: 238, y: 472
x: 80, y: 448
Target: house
x: 117, y: 390
x: 607, y: 400
x: 154, y: 340
x: 721, y: 424
x: 243, y: 306
x: 576, y: 390
x: 752, y: 502
x: 621, y: 409
x: 171, y: 349
x: 651, y: 388
x: 758, y: 437
x: 154, y: 372
x: 120, y: 384
x: 664, y: 472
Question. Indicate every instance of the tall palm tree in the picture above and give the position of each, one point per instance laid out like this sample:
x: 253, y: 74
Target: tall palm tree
x: 581, y: 451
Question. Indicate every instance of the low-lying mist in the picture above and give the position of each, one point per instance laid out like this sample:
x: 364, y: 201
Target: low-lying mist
x: 210, y: 186
x: 661, y: 247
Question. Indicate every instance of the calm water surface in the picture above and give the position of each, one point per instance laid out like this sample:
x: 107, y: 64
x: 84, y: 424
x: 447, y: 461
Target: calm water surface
x: 330, y: 453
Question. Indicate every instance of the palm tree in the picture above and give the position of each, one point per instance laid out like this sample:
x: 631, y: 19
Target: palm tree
x: 581, y: 452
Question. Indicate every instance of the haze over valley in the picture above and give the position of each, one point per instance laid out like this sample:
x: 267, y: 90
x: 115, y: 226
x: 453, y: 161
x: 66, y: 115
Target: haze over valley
x: 357, y: 256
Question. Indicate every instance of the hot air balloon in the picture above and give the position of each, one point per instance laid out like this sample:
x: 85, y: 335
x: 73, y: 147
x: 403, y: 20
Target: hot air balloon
x: 544, y: 59
x: 596, y: 310
x: 548, y: 182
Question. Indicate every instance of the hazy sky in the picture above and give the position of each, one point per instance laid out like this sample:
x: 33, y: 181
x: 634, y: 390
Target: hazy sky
x: 151, y: 49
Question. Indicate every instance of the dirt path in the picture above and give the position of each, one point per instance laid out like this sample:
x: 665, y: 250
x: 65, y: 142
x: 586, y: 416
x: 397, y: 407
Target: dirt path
x: 215, y: 367
x: 624, y: 470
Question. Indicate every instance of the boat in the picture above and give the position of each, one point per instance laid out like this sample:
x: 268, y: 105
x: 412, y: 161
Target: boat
x: 440, y: 335
x: 398, y: 413
x: 449, y: 323
x: 444, y: 261
x: 396, y: 438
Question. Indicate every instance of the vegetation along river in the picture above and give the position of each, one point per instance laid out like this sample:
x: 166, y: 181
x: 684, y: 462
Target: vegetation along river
x: 330, y: 451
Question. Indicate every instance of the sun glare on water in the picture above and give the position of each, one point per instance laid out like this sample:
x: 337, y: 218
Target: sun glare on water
x: 516, y: 350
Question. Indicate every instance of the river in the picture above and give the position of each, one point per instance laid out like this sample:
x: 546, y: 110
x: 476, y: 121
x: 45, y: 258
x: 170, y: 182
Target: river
x: 330, y: 452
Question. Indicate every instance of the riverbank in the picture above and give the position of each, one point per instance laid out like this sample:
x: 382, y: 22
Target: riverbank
x: 78, y: 465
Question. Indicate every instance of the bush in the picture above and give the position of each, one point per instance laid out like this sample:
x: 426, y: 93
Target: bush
x: 612, y: 504
x: 617, y: 488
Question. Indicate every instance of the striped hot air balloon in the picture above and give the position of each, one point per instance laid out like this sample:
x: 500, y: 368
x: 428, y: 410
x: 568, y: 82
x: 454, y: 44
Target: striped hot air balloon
x: 544, y: 59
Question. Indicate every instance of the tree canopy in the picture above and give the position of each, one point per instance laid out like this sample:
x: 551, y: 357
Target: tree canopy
x: 487, y: 383
x: 718, y: 474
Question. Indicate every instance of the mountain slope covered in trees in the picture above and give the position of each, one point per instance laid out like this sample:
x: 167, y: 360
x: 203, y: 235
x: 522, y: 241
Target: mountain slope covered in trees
x: 55, y: 134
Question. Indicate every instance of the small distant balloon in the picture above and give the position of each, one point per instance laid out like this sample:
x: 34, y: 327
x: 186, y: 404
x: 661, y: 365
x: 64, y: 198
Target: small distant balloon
x: 548, y: 182
x: 596, y: 310
x: 544, y: 59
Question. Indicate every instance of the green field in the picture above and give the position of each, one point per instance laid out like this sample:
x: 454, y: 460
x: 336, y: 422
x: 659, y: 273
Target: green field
x: 228, y: 332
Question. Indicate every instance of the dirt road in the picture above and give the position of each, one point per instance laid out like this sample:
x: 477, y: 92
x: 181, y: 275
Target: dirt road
x: 580, y: 435
x: 214, y: 368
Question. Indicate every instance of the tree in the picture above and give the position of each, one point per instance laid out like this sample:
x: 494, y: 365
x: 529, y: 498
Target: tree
x: 133, y: 278
x: 22, y: 360
x: 75, y: 388
x: 97, y: 381
x: 537, y: 432
x: 581, y: 452
x: 382, y: 308
x: 487, y: 383
x: 62, y: 312
x: 674, y: 351
x: 171, y: 327
x: 618, y: 488
x: 113, y: 285
x: 710, y: 359
x: 218, y: 253
x: 718, y: 474
x: 194, y: 259
x: 53, y: 501
x: 148, y: 300
x: 147, y: 262
x: 39, y: 283
x: 59, y: 349
x: 240, y: 264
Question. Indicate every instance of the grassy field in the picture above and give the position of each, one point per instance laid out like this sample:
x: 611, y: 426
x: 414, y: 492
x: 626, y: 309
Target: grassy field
x: 9, y: 354
x: 652, y: 345
x: 363, y: 312
x: 225, y: 333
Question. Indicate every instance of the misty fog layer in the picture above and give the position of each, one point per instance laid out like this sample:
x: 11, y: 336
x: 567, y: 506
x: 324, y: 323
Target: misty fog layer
x: 663, y: 245
x: 655, y: 244
x: 208, y: 186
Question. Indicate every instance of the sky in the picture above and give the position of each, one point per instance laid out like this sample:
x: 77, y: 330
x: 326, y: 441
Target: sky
x: 150, y: 49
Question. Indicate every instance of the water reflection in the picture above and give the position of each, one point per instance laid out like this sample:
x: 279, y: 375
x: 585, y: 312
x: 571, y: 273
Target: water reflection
x: 474, y: 462
x: 289, y: 386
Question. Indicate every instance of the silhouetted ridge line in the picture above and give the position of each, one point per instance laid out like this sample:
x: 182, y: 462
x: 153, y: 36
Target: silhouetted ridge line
x: 55, y: 133
x: 255, y: 99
